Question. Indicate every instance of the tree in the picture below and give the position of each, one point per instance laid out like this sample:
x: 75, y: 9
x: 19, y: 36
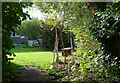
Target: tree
x: 32, y: 29
x: 48, y: 35
x: 12, y: 15
x: 105, y: 28
x: 96, y: 30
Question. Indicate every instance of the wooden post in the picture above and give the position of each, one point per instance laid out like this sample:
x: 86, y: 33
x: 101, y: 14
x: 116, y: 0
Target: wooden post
x: 64, y: 61
x: 71, y: 43
x: 63, y: 46
x: 61, y: 37
x: 54, y: 53
x: 57, y: 59
x: 56, y: 48
x: 73, y: 61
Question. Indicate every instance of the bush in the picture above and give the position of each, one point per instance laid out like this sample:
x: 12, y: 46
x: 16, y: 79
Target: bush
x: 34, y: 45
x: 26, y: 45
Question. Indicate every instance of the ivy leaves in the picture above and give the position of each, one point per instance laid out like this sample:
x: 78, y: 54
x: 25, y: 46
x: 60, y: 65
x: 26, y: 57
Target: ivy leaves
x: 11, y: 18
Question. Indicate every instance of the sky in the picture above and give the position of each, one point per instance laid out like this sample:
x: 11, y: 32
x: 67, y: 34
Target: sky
x: 34, y: 12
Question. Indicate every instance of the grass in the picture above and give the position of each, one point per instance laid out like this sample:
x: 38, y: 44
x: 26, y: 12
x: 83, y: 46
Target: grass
x: 28, y: 56
x: 21, y: 49
x: 39, y: 59
x: 32, y: 57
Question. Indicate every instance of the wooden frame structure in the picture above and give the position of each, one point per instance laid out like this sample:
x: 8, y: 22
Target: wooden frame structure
x: 65, y: 51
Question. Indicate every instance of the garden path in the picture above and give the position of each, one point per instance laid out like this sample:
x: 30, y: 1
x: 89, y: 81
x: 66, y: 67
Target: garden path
x: 31, y: 73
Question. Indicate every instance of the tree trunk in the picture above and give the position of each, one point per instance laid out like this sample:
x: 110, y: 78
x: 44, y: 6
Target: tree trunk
x: 38, y: 42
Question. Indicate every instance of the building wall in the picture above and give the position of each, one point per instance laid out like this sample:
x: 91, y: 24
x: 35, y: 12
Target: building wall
x: 19, y: 40
x: 30, y: 42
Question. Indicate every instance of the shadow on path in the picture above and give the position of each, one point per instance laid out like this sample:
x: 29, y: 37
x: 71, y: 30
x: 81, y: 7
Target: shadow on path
x: 30, y: 73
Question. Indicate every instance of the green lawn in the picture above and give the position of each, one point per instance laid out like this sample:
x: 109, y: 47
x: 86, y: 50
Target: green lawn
x: 20, y: 49
x: 32, y: 57
x: 28, y: 56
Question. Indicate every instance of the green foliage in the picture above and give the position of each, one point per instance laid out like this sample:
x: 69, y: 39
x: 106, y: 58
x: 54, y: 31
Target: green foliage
x: 31, y: 28
x: 48, y: 7
x: 38, y: 29
x: 96, y: 38
x: 11, y: 72
x: 33, y: 45
x: 105, y: 28
x: 48, y: 34
x: 26, y: 45
x: 12, y: 15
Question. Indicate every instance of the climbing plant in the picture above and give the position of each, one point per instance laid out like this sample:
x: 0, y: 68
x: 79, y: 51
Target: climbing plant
x: 97, y: 35
x: 105, y: 27
x: 12, y: 15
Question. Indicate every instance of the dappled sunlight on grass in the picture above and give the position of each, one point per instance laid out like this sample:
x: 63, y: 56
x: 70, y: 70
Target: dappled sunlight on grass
x: 35, y: 57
